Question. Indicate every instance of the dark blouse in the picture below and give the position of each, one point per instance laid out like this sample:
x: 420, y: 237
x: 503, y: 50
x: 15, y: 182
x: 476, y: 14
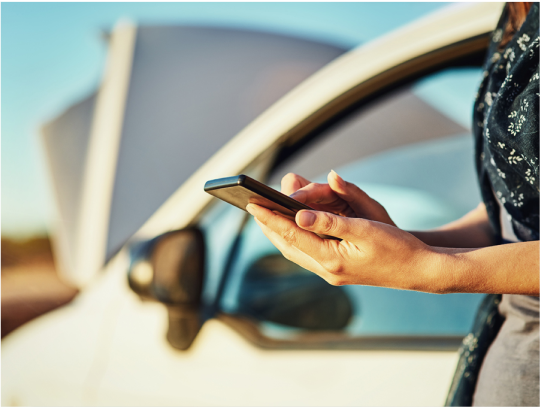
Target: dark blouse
x: 505, y: 127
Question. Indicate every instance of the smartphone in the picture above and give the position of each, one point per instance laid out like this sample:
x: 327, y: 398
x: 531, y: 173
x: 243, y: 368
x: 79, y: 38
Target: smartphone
x: 242, y: 190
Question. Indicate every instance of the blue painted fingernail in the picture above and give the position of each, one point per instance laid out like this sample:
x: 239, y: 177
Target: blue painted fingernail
x: 306, y: 219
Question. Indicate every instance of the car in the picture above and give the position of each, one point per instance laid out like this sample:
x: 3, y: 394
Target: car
x: 186, y: 302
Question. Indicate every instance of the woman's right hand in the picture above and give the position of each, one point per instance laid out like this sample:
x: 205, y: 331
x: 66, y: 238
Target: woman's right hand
x: 338, y: 196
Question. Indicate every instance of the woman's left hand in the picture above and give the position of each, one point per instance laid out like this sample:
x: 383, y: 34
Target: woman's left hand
x: 371, y: 253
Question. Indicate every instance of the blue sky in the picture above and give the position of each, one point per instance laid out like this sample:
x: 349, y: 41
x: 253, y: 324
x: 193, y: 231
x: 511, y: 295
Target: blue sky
x: 53, y: 55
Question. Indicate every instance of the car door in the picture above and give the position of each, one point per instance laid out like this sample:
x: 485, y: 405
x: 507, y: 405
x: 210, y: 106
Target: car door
x: 275, y: 334
x: 279, y: 306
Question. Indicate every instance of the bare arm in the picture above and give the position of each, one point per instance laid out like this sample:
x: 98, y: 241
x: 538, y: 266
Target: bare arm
x: 472, y: 230
x: 346, y: 199
x: 378, y: 254
x: 458, y: 257
x: 504, y: 269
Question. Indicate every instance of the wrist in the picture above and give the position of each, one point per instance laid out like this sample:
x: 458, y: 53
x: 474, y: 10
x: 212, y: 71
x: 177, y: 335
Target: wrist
x: 453, y: 271
x: 442, y: 268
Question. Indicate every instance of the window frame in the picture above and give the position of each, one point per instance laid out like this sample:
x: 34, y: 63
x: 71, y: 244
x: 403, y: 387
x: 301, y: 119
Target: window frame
x: 467, y: 53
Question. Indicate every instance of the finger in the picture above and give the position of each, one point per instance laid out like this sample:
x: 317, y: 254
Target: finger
x: 289, y: 231
x: 292, y: 182
x: 290, y: 252
x: 350, y: 193
x: 314, y: 193
x: 360, y: 202
x: 349, y: 229
x: 322, y: 198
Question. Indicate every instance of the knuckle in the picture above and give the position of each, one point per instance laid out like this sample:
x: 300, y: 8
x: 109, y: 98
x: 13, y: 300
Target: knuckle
x: 364, y: 224
x: 289, y: 178
x: 328, y: 223
x: 286, y: 255
x: 333, y: 267
x: 336, y: 281
x: 290, y: 183
x: 289, y: 235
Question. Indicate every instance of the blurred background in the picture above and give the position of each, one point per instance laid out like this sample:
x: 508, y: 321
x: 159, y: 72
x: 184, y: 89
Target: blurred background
x: 54, y: 55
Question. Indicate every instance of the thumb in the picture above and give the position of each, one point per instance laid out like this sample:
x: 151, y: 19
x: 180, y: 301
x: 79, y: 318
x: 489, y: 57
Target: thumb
x: 324, y: 223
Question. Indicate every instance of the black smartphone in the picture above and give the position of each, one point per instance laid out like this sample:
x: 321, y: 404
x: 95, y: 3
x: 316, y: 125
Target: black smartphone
x: 242, y: 190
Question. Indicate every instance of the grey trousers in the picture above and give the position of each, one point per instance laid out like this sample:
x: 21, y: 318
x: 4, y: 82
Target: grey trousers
x: 509, y: 375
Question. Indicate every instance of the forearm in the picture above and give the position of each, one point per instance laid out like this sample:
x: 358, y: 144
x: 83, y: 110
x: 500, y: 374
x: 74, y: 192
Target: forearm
x: 472, y: 230
x: 504, y: 269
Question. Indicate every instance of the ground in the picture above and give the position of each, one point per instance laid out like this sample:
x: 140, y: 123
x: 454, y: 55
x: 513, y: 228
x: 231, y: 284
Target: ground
x: 30, y: 283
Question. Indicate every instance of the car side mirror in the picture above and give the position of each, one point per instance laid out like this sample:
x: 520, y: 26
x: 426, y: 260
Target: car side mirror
x: 277, y: 290
x: 170, y: 269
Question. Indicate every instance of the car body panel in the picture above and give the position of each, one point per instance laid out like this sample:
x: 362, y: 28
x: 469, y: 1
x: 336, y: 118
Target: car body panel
x: 118, y: 343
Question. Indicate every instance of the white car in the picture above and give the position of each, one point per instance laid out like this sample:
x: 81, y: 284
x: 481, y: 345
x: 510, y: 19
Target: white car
x: 183, y: 300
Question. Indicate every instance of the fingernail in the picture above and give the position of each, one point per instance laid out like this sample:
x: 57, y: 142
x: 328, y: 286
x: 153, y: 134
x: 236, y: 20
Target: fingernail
x: 337, y: 177
x: 296, y: 194
x: 251, y: 209
x: 306, y: 219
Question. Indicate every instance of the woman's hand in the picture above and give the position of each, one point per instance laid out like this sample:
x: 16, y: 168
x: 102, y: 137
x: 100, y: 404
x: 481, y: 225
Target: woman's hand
x: 375, y: 252
x: 371, y: 253
x: 338, y: 196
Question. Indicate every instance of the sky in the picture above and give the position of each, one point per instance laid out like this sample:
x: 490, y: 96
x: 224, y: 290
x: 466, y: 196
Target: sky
x: 53, y: 55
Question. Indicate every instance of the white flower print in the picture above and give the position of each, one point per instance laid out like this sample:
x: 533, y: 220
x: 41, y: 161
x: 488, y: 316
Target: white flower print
x: 501, y: 145
x: 497, y: 35
x: 522, y: 40
x: 501, y: 174
x: 501, y: 197
x: 514, y: 159
x: 496, y: 56
x: 507, y: 79
x: 534, y: 77
x: 509, y: 54
x: 519, y: 201
x: 533, y: 45
x: 488, y: 99
x: 529, y: 177
x: 515, y: 127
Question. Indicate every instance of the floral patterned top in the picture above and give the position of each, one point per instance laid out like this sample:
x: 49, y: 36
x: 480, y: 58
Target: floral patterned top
x: 505, y: 127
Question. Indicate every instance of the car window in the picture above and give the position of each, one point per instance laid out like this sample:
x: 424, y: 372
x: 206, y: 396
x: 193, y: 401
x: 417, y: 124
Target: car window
x: 413, y: 153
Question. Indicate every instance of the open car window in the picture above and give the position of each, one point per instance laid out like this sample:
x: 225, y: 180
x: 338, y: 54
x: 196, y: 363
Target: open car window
x: 413, y: 153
